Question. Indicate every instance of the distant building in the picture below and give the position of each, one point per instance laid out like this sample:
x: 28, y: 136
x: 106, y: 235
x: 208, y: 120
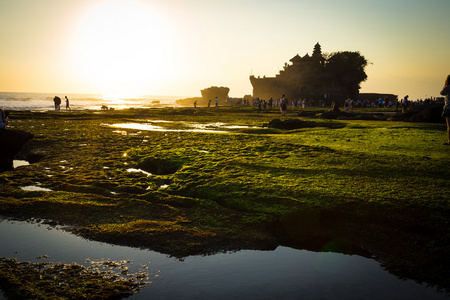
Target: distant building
x: 306, y: 77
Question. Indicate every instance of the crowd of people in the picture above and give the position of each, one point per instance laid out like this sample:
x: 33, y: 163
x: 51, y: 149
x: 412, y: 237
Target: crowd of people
x: 348, y: 105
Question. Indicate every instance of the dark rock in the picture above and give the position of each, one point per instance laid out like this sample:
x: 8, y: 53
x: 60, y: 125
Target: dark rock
x: 157, y: 166
x: 332, y: 114
x: 305, y: 113
x: 290, y: 124
x: 428, y: 113
x: 11, y: 141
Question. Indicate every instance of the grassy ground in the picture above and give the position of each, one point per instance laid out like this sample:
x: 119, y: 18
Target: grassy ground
x: 375, y: 188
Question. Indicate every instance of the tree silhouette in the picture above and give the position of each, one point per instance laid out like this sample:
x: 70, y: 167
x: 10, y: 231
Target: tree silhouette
x: 347, y: 68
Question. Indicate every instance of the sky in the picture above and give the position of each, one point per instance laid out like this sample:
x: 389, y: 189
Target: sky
x: 178, y: 47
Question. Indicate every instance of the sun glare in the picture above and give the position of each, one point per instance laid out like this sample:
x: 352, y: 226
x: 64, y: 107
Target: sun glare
x: 121, y: 47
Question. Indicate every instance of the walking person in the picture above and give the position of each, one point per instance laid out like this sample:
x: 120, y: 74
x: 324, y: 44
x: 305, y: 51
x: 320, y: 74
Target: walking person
x: 67, y: 103
x: 446, y: 112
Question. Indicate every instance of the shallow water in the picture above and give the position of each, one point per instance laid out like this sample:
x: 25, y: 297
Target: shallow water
x: 19, y: 163
x: 284, y: 273
x: 150, y: 127
x: 191, y: 127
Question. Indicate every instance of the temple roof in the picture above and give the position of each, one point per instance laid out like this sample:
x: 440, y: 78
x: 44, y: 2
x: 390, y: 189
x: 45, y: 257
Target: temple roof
x: 296, y: 58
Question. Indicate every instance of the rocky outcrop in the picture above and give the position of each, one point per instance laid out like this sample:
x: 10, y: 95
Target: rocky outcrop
x: 291, y: 124
x: 11, y: 141
x: 429, y: 113
x: 215, y: 91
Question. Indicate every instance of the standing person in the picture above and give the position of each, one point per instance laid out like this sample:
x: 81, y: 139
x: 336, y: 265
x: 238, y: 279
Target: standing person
x: 57, y: 102
x: 405, y: 103
x: 67, y: 103
x: 283, y: 105
x: 209, y: 103
x: 195, y: 103
x: 217, y: 102
x: 446, y: 112
x: 3, y: 119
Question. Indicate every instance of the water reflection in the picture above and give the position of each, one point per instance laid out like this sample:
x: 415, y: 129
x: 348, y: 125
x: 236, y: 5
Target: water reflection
x: 35, y: 188
x: 284, y: 273
x: 191, y: 127
x: 18, y: 163
x: 132, y: 170
x: 150, y: 127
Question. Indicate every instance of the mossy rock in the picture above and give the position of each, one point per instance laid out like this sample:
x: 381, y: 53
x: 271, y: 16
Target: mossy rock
x: 159, y: 166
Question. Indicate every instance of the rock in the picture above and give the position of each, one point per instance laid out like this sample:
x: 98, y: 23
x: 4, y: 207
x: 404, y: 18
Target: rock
x: 220, y: 92
x: 158, y: 166
x: 11, y: 141
x: 290, y: 124
x: 332, y: 114
x: 431, y: 113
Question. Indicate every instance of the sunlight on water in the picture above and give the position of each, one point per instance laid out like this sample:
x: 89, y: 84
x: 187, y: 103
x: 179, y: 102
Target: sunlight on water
x: 192, y: 127
x: 18, y: 163
x: 131, y: 170
x: 34, y: 188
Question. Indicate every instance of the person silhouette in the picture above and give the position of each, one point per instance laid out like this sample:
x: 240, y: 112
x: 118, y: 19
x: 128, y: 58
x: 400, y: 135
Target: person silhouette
x: 67, y: 103
x: 57, y: 101
x: 446, y: 111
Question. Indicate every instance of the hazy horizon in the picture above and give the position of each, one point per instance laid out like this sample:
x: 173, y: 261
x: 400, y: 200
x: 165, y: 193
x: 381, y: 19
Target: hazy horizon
x: 176, y: 47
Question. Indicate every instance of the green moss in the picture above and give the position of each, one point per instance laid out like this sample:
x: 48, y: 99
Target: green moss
x: 360, y: 180
x: 26, y: 280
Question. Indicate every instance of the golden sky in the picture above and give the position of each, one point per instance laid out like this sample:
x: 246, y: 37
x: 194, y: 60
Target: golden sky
x: 178, y: 47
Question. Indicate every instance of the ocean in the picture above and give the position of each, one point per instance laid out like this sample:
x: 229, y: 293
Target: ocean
x: 44, y: 101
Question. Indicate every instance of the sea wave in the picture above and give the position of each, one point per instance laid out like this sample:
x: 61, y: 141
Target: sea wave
x: 44, y: 101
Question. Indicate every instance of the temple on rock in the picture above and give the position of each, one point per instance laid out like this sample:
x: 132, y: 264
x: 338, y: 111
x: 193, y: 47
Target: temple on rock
x: 306, y: 77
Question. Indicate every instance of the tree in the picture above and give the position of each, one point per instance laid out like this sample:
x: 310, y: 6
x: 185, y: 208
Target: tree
x: 347, y: 68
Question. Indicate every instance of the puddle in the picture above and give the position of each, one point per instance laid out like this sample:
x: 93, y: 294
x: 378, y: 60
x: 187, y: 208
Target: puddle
x: 283, y: 273
x: 150, y: 127
x: 19, y: 163
x: 131, y: 170
x: 193, y: 127
x: 35, y: 188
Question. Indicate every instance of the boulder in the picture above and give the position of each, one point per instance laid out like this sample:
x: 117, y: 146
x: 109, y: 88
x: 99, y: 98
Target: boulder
x: 333, y: 114
x: 11, y: 142
x: 431, y: 113
x: 290, y: 124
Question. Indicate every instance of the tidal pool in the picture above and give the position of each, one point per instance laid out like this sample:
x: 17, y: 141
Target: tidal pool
x: 283, y: 273
x: 19, y: 163
x: 192, y: 127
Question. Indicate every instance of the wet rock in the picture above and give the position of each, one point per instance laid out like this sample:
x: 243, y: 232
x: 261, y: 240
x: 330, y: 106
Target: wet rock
x: 332, y: 114
x: 159, y: 166
x: 307, y: 114
x: 428, y: 113
x: 11, y: 141
x: 290, y: 124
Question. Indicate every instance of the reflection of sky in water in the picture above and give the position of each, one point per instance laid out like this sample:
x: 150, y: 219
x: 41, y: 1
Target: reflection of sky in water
x: 284, y: 273
x: 19, y: 163
x: 132, y: 170
x: 35, y: 188
x: 192, y: 127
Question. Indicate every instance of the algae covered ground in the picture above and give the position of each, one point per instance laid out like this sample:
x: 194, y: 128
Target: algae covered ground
x: 198, y: 181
